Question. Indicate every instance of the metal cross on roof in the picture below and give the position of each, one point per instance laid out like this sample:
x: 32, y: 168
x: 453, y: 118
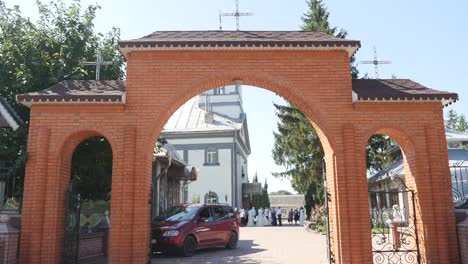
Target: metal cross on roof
x: 98, y: 64
x: 376, y: 63
x: 237, y: 14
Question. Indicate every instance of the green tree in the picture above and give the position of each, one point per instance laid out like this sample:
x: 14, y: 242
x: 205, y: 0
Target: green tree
x: 381, y: 151
x: 451, y: 121
x: 297, y: 146
x: 34, y: 56
x: 462, y: 125
x: 316, y: 19
x: 281, y: 192
x: 92, y: 168
x: 265, y: 197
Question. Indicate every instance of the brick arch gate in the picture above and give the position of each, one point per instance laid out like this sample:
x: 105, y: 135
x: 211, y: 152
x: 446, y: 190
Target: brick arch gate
x: 310, y: 69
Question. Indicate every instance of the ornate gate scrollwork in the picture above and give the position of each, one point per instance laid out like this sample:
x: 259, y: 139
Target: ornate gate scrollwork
x: 393, y: 219
x: 72, y: 227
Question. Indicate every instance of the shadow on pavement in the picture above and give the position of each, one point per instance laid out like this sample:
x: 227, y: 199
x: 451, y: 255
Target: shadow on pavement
x: 218, y: 255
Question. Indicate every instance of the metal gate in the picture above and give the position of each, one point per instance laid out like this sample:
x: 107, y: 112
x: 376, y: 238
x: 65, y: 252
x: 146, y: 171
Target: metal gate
x: 327, y: 199
x: 459, y: 173
x: 393, y: 220
x: 72, y: 227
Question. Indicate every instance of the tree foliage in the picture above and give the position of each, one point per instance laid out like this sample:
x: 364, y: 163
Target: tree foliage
x: 36, y: 55
x: 297, y: 148
x: 456, y: 121
x: 92, y: 168
x: 381, y: 151
x: 316, y: 19
x: 261, y: 200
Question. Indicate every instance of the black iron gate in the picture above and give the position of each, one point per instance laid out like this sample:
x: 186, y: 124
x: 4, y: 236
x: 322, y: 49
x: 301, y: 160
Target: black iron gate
x: 393, y: 220
x: 72, y: 227
x: 327, y: 199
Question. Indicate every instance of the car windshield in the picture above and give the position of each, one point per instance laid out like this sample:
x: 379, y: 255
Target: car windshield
x: 177, y: 214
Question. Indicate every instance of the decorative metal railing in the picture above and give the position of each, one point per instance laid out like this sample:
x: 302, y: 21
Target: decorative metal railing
x: 459, y: 173
x: 394, y: 233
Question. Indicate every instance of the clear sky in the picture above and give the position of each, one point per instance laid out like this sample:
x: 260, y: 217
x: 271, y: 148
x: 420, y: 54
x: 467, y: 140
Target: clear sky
x: 426, y: 40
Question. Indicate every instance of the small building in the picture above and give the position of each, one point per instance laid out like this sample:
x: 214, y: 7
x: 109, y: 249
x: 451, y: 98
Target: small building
x: 287, y: 202
x: 171, y: 177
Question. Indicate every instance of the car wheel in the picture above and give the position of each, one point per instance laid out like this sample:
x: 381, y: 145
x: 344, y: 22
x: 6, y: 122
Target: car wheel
x: 190, y: 245
x: 232, y: 242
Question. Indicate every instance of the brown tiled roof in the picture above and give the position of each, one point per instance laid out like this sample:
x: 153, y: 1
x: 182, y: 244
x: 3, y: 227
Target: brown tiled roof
x: 114, y: 92
x: 239, y: 39
x: 399, y: 90
x: 83, y: 91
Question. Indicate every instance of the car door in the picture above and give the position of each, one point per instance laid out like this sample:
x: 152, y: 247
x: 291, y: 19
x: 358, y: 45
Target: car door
x: 205, y: 227
x: 222, y: 226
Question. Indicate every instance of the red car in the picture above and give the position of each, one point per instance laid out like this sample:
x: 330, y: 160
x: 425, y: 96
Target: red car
x: 188, y: 227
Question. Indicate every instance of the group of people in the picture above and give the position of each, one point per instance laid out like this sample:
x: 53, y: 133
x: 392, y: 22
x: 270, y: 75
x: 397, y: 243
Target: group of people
x: 270, y: 216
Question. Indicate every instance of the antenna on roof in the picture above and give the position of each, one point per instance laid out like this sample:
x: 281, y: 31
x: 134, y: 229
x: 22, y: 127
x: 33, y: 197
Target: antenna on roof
x: 376, y: 63
x: 237, y: 14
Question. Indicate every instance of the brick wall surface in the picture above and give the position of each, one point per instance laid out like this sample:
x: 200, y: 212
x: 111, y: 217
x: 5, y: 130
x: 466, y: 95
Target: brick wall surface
x: 463, y: 239
x: 158, y: 82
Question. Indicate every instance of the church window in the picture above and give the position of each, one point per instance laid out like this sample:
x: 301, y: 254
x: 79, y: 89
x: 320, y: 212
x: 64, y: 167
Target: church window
x: 211, y: 156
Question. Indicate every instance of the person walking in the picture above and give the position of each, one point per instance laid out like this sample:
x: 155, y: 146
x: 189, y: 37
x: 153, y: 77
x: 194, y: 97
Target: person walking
x: 290, y: 216
x: 302, y: 216
x: 278, y: 213
x: 296, y: 216
x: 273, y: 217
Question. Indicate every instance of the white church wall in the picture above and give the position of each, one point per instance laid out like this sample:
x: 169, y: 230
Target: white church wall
x: 211, y: 178
x: 241, y: 165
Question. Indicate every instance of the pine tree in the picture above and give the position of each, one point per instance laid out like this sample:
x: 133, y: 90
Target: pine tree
x: 462, y: 125
x: 451, y: 120
x: 266, y: 199
x: 316, y: 19
x: 297, y: 146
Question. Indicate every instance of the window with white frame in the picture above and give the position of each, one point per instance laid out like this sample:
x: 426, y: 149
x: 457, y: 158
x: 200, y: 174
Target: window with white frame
x: 211, y: 156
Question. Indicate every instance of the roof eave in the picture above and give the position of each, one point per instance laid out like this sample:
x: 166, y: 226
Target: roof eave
x: 30, y: 100
x: 444, y: 101
x: 128, y: 47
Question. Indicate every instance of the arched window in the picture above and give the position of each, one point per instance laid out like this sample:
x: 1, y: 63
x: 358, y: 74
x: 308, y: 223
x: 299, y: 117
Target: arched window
x: 211, y: 197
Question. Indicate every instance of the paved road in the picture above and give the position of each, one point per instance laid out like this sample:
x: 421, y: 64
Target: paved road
x: 270, y: 245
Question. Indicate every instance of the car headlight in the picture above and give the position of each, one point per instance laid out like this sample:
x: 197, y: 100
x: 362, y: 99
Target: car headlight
x: 171, y: 233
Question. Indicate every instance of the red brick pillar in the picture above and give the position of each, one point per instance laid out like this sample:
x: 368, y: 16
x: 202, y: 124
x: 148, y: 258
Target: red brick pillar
x: 9, y: 237
x: 463, y: 238
x: 434, y: 194
x: 122, y: 201
x: 141, y: 208
x: 33, y: 195
x: 349, y: 202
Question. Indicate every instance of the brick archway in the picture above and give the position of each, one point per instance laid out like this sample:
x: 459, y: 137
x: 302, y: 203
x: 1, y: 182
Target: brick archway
x: 310, y: 69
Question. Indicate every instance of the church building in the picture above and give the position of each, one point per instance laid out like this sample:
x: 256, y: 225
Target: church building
x: 210, y: 132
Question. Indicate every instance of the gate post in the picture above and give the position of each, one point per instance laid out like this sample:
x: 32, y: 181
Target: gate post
x: 349, y: 205
x: 34, y: 195
x: 122, y: 202
x: 434, y: 194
